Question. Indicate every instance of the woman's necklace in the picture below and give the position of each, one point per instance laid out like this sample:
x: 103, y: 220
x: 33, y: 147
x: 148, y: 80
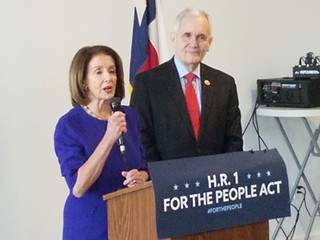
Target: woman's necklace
x: 92, y: 113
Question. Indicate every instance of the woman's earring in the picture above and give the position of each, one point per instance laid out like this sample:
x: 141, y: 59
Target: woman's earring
x: 85, y: 87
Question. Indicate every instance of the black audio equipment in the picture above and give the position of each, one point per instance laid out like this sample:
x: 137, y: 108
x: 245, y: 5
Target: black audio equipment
x: 309, y: 67
x: 289, y: 92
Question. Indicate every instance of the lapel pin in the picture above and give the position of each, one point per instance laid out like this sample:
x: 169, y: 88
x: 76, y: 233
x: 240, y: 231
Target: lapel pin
x: 207, y: 82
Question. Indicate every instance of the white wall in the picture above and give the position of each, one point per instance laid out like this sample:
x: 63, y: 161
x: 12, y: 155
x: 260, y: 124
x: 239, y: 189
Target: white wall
x: 252, y: 39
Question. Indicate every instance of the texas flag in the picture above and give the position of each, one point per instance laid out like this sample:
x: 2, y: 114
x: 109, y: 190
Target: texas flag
x: 149, y: 42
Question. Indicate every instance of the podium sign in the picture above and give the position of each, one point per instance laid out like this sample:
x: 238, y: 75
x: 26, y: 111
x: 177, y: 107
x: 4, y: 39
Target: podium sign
x: 207, y: 193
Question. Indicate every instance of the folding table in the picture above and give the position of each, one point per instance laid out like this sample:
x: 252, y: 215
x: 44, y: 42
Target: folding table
x: 303, y: 114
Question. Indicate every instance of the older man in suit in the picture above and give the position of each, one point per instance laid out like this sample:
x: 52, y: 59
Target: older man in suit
x: 186, y: 118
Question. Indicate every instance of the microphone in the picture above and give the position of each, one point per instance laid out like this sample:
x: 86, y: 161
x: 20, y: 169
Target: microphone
x: 115, y: 106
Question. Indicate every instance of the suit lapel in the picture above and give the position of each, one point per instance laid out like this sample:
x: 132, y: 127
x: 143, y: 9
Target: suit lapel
x: 208, y: 89
x: 176, y: 95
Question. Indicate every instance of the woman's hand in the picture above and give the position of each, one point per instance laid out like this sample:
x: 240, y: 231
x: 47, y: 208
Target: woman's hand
x: 116, y: 125
x: 91, y: 169
x: 134, y: 177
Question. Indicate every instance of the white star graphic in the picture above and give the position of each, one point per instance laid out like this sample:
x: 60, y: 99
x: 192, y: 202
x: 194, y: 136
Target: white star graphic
x: 249, y: 176
x: 197, y: 184
x: 175, y: 187
x: 268, y: 173
x: 186, y: 185
x: 258, y: 174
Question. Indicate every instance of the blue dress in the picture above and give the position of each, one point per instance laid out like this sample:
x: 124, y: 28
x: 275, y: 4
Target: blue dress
x: 76, y: 136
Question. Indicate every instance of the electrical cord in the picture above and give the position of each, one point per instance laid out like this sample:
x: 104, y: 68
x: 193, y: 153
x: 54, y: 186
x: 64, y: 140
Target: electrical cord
x: 282, y: 230
x: 304, y: 192
x: 254, y: 119
x: 293, y: 229
x: 300, y: 190
x: 256, y: 105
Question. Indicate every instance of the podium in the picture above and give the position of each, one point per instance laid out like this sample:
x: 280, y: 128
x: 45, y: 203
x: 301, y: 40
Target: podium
x: 131, y: 216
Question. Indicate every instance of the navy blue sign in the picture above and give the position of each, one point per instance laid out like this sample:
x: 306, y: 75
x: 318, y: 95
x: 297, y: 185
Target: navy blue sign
x: 206, y: 193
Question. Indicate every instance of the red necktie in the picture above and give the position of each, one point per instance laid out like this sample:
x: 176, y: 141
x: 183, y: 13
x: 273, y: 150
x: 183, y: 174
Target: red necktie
x: 192, y: 103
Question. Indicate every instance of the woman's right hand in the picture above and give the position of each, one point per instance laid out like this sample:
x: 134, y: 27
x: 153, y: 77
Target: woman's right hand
x: 116, y: 125
x: 91, y: 169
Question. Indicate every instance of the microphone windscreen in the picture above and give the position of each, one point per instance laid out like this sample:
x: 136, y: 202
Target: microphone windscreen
x: 115, y: 104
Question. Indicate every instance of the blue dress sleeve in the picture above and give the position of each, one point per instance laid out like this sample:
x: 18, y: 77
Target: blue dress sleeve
x: 69, y: 151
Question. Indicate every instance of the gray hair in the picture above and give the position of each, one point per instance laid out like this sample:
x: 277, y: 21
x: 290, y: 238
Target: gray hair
x: 191, y: 12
